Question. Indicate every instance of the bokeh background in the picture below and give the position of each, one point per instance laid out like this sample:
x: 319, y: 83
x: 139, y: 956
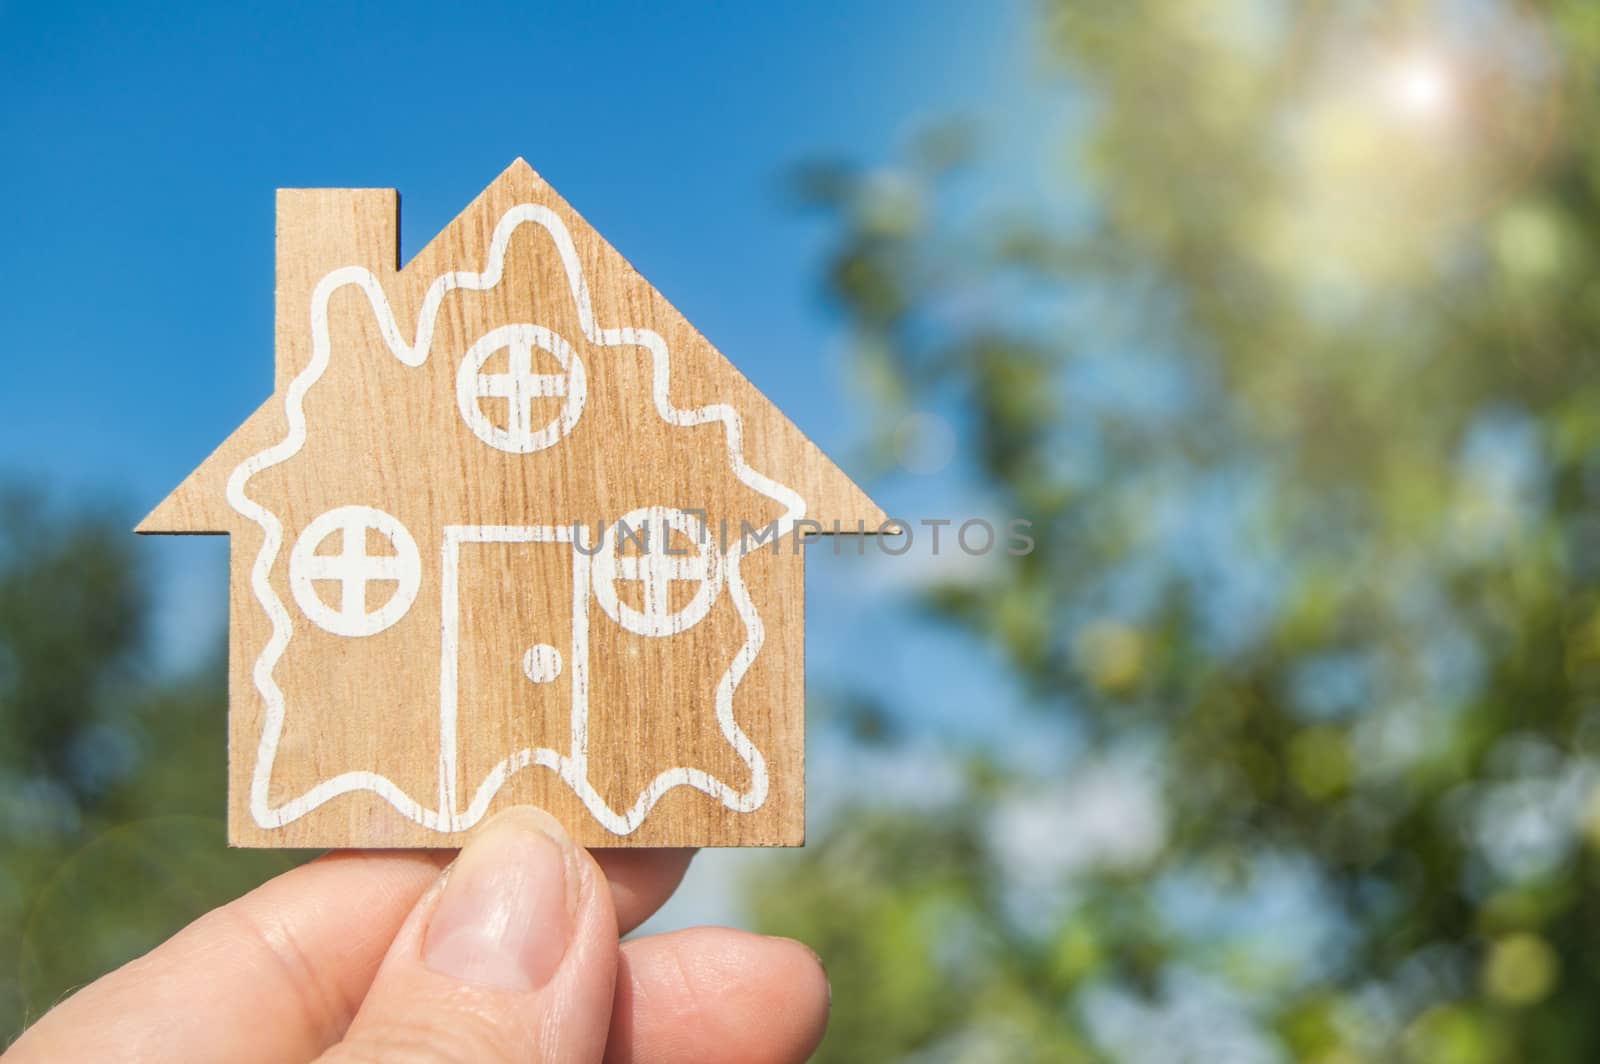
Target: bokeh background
x: 1277, y: 319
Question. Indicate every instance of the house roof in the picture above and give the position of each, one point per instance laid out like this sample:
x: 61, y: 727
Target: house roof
x: 354, y: 233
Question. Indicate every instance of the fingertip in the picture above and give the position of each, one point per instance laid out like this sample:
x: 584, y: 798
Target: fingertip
x: 712, y: 994
x: 641, y: 880
x: 813, y: 963
x: 807, y: 979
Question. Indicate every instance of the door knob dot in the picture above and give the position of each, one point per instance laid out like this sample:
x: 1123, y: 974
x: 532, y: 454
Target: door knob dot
x: 542, y: 663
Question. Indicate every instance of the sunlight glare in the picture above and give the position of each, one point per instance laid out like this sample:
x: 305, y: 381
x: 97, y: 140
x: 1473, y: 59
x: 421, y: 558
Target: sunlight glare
x: 1420, y: 86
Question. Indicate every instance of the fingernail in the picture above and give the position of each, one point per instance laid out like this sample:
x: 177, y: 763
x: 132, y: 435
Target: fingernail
x: 506, y: 915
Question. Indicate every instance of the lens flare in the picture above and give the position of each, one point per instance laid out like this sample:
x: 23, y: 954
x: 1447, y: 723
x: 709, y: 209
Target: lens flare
x: 1421, y: 86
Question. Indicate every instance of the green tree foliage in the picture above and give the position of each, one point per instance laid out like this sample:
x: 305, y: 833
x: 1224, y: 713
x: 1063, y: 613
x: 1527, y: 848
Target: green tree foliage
x: 111, y: 779
x: 1297, y: 379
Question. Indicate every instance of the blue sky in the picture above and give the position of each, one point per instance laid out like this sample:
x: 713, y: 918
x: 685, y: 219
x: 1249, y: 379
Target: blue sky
x: 147, y: 142
x: 137, y: 263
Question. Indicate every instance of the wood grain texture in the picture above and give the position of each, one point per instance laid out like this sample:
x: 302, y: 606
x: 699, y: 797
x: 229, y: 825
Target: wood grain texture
x: 385, y: 509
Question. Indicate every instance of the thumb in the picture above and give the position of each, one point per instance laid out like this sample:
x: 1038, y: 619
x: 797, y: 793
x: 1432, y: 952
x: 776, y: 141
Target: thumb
x: 510, y: 956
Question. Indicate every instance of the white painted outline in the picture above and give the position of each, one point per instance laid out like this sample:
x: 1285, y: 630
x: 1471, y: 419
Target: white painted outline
x: 445, y: 819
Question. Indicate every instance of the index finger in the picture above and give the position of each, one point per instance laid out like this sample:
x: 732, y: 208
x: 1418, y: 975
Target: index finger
x: 641, y: 880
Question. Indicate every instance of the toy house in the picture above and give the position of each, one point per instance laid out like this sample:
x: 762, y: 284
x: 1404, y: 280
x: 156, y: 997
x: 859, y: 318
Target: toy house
x: 509, y: 530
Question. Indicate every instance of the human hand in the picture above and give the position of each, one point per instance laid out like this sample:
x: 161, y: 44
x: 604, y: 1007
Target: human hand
x: 510, y: 954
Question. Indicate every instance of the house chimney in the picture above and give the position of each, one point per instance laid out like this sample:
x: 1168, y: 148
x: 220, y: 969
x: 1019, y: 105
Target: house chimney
x: 319, y: 230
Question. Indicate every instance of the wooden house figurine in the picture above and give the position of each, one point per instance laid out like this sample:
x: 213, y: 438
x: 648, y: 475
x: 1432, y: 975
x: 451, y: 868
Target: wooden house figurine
x: 509, y: 530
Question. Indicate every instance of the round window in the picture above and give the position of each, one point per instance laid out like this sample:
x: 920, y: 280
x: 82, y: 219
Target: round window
x: 508, y: 395
x: 354, y: 571
x: 666, y: 555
